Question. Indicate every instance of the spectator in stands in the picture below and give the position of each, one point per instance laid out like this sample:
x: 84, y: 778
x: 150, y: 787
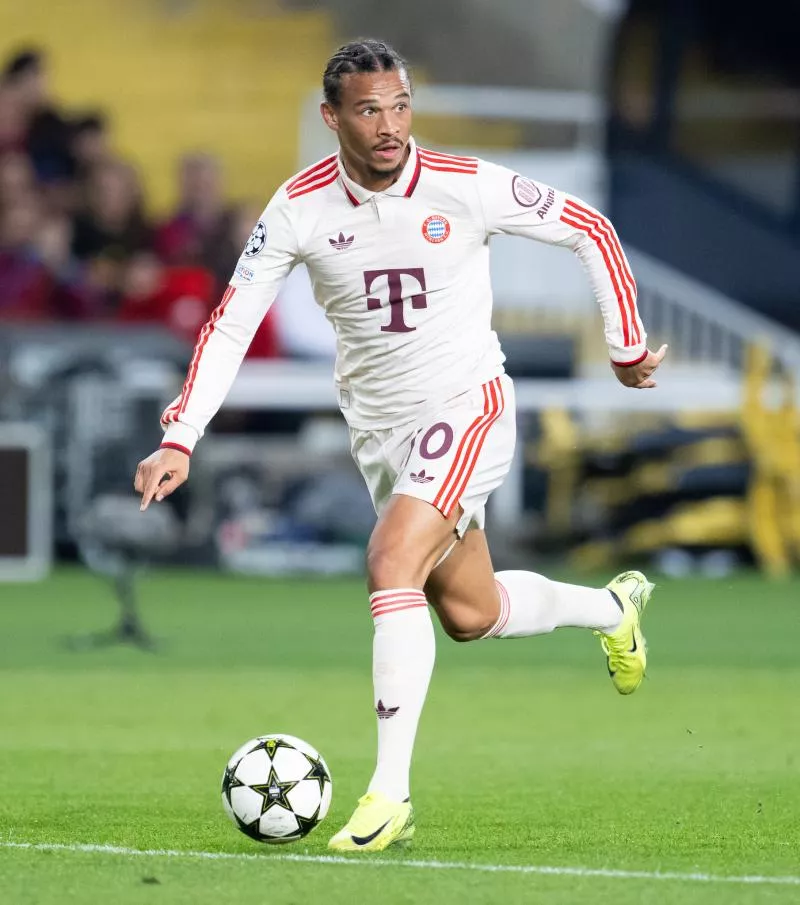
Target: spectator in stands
x: 112, y: 223
x: 31, y: 121
x: 17, y: 178
x: 39, y: 278
x: 89, y: 143
x: 48, y: 146
x: 23, y: 90
x: 180, y: 298
x: 25, y: 282
x: 88, y: 148
x: 13, y: 123
x: 73, y: 295
x: 243, y: 218
x: 199, y: 232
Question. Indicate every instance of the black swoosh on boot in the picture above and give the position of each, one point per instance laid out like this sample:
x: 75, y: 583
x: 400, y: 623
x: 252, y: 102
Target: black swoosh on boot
x: 363, y: 840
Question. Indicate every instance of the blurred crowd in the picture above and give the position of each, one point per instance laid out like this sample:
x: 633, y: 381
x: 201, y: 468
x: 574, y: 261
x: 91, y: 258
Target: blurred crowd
x: 76, y: 241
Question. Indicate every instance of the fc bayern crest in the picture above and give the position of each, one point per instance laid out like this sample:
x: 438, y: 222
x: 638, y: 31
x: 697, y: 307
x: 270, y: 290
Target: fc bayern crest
x: 525, y: 192
x: 257, y: 240
x: 436, y: 228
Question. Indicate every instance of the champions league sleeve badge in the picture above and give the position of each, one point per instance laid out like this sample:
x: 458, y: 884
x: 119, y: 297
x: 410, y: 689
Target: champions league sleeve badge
x: 257, y: 241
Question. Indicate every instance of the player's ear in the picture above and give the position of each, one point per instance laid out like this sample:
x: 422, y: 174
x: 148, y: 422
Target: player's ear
x: 329, y: 115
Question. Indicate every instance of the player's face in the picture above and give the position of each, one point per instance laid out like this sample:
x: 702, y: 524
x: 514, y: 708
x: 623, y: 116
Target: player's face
x: 373, y: 123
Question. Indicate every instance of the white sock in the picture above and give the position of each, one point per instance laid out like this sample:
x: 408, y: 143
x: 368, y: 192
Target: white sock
x: 531, y: 604
x: 403, y: 652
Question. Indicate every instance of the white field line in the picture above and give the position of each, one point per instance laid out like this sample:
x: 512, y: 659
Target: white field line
x: 420, y: 865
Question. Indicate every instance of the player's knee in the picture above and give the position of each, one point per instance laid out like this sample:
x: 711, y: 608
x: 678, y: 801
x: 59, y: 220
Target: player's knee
x: 392, y: 567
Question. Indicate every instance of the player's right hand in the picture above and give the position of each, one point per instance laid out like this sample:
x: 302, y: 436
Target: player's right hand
x: 159, y: 474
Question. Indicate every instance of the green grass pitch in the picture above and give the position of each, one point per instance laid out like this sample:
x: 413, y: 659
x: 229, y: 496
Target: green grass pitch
x: 525, y: 755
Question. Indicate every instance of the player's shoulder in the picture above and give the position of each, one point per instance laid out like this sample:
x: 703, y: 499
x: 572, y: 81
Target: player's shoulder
x: 309, y: 180
x: 455, y: 170
x: 439, y: 162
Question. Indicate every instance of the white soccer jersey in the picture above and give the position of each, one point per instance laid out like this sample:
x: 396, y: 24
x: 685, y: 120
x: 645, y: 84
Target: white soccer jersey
x: 403, y: 276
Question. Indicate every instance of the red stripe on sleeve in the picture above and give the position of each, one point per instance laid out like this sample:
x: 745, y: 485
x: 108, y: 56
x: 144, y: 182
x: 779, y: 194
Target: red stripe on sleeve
x: 177, y: 446
x: 598, y: 240
x: 617, y: 254
x: 314, y: 177
x: 310, y: 171
x: 179, y: 407
x: 315, y: 185
x: 452, y: 157
x: 630, y: 364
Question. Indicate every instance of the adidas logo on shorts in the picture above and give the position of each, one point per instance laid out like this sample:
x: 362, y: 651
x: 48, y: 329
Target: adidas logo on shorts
x: 421, y: 478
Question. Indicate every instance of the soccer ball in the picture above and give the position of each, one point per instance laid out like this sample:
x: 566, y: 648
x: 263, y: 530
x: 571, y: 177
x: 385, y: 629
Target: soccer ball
x: 276, y: 788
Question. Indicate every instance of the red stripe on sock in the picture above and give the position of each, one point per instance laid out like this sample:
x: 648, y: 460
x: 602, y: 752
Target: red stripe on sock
x: 388, y: 611
x: 380, y: 600
x: 409, y: 601
x: 384, y: 603
x: 505, y: 611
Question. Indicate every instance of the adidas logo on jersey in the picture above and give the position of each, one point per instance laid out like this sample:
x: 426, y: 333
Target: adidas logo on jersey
x: 421, y: 478
x: 341, y: 243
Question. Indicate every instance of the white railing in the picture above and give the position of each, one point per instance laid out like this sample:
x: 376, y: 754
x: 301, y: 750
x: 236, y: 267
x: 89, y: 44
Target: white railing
x: 703, y: 325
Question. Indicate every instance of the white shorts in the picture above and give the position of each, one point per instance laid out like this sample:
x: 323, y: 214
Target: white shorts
x: 453, y: 457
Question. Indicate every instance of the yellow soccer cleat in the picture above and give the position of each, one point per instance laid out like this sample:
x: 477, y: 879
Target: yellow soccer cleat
x: 377, y: 823
x: 625, y: 649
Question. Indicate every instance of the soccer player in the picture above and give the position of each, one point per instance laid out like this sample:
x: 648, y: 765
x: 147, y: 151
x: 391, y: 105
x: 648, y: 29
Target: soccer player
x: 396, y: 241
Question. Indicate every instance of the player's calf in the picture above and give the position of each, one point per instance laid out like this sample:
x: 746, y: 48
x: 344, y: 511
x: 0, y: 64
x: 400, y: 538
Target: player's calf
x: 463, y: 621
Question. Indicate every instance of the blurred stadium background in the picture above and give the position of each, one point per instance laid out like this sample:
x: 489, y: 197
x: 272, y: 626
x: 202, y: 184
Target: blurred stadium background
x: 138, y: 142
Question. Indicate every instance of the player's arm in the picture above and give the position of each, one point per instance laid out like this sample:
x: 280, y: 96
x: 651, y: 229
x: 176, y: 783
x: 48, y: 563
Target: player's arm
x: 514, y: 205
x: 269, y: 255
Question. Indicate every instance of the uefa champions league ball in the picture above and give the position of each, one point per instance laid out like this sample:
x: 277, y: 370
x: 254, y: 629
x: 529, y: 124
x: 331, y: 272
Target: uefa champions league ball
x: 276, y: 788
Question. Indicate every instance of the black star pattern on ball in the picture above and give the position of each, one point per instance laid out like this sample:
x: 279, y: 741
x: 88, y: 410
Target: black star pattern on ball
x: 249, y: 829
x: 274, y: 792
x: 271, y: 745
x: 306, y: 824
x: 229, y: 781
x: 317, y: 772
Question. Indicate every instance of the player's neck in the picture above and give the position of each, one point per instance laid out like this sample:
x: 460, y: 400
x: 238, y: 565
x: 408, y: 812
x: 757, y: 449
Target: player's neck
x: 368, y: 178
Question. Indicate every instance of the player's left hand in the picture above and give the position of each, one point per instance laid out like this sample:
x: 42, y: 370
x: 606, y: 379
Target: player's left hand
x: 640, y: 376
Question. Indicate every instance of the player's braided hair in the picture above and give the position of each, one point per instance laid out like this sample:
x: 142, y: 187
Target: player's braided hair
x: 365, y: 55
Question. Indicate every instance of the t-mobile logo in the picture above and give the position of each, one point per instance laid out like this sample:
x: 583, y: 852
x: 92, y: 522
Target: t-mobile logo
x: 394, y: 279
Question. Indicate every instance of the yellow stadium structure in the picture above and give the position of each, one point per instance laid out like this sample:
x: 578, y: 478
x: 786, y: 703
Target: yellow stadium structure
x: 223, y: 76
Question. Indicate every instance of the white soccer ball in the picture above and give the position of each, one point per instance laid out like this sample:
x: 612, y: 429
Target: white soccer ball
x: 276, y: 788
